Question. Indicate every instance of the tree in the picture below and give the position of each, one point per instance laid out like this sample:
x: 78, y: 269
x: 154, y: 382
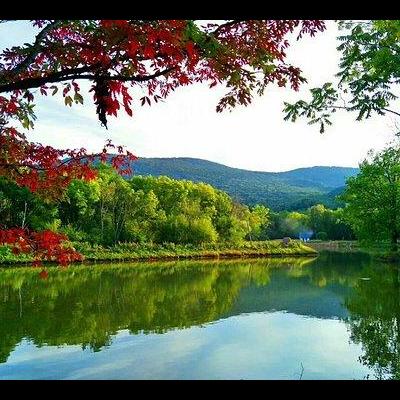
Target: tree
x: 258, y: 221
x: 157, y: 56
x: 373, y: 198
x: 20, y: 207
x: 369, y: 72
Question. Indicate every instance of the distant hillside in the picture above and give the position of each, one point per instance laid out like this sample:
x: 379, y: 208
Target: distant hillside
x: 296, y: 189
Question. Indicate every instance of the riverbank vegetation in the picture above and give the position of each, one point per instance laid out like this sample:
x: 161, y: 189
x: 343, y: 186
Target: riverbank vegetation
x: 373, y: 202
x: 146, y: 217
x: 152, y: 251
x: 111, y: 218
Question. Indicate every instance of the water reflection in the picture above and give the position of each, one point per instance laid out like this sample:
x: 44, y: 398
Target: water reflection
x: 374, y: 319
x: 87, y: 306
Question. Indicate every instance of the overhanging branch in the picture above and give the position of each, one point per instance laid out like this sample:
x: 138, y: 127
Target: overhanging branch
x: 35, y: 48
x: 77, y: 73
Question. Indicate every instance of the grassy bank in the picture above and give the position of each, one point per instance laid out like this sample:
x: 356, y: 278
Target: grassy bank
x: 380, y: 251
x: 134, y: 251
x: 342, y: 246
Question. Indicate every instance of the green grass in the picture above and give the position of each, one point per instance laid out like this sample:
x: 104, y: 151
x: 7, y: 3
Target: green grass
x: 134, y: 251
x: 342, y: 246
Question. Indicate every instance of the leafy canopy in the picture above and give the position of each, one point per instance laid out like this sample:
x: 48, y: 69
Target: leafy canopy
x: 373, y: 197
x: 156, y: 56
x: 369, y: 72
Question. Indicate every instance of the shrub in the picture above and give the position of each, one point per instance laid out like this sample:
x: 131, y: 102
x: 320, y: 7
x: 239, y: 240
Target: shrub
x: 321, y: 236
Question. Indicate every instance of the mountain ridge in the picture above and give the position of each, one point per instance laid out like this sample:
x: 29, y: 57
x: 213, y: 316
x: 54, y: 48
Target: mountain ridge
x: 287, y: 190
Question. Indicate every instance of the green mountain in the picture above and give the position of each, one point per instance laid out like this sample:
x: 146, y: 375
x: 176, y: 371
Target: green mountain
x: 290, y: 190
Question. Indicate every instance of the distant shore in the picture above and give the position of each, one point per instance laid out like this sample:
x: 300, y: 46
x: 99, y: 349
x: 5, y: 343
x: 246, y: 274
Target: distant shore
x: 346, y: 246
x: 153, y: 252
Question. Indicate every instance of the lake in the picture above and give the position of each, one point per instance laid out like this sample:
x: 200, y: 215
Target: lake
x: 333, y: 317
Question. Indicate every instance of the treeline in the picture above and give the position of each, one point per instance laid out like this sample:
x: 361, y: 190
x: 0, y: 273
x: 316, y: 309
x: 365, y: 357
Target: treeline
x: 323, y: 223
x: 111, y: 210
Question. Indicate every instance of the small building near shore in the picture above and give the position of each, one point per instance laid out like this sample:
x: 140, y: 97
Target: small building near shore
x: 305, y: 236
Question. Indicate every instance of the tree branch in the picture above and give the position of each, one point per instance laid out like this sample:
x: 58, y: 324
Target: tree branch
x: 31, y: 83
x: 391, y: 111
x: 350, y: 109
x: 225, y: 25
x: 35, y: 48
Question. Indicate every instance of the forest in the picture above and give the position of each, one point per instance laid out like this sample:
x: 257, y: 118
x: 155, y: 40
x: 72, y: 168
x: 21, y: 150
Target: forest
x: 292, y: 190
x: 51, y: 197
x: 143, y: 210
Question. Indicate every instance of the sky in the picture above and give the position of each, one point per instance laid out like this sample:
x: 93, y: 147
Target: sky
x: 186, y: 124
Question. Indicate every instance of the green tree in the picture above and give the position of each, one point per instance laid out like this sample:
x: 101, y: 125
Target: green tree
x: 321, y: 236
x: 373, y: 198
x: 259, y: 221
x: 369, y: 71
x: 20, y: 207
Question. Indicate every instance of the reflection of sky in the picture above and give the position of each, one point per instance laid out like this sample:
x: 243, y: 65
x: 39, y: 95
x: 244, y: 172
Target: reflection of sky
x: 250, y: 346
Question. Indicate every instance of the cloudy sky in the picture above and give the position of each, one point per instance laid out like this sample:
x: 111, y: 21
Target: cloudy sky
x: 186, y: 124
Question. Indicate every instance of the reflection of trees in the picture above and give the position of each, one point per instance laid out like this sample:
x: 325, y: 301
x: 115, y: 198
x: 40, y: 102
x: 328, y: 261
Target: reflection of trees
x: 375, y: 319
x: 82, y: 305
x: 334, y: 269
x: 87, y: 305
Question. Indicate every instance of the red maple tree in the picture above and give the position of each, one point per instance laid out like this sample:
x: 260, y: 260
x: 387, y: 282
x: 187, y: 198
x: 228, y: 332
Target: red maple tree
x: 116, y: 56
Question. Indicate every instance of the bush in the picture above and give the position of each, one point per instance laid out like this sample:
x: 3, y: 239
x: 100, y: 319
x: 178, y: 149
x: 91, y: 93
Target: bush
x: 321, y: 236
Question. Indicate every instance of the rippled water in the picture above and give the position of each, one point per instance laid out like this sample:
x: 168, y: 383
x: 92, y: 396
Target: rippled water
x: 334, y: 317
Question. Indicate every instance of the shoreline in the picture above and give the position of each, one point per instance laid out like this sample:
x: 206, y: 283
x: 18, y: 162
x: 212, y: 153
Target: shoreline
x: 126, y: 253
x: 93, y: 261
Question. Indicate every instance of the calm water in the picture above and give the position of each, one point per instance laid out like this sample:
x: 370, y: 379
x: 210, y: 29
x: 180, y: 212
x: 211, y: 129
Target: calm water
x: 334, y: 317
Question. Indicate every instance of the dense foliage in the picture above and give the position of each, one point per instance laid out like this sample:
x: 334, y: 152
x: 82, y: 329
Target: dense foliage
x: 145, y: 209
x: 297, y: 189
x: 154, y: 56
x: 369, y: 71
x: 323, y: 223
x: 373, y: 198
x: 110, y: 209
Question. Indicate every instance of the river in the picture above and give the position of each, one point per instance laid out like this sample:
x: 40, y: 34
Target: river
x: 333, y: 317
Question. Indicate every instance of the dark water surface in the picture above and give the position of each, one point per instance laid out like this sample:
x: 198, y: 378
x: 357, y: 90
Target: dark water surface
x: 334, y: 317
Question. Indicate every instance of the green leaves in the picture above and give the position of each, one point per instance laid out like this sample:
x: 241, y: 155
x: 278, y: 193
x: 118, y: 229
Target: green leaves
x: 318, y: 110
x: 55, y: 90
x: 369, y: 69
x: 373, y: 197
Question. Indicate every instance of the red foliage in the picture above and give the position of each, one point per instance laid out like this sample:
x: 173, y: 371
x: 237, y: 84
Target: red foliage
x: 43, y: 274
x: 45, y: 245
x: 155, y: 56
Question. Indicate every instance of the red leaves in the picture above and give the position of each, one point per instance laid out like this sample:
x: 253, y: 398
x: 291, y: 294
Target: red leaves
x: 159, y: 56
x: 121, y: 161
x: 45, y: 245
x: 135, y: 53
x: 183, y: 79
x: 43, y: 90
x: 8, y: 106
x: 44, y: 169
x: 132, y: 48
x: 116, y: 23
x: 43, y: 274
x: 190, y: 49
x: 145, y: 99
x: 149, y: 52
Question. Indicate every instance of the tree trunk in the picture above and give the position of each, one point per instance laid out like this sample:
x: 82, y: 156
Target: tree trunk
x: 24, y: 216
x: 394, y: 239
